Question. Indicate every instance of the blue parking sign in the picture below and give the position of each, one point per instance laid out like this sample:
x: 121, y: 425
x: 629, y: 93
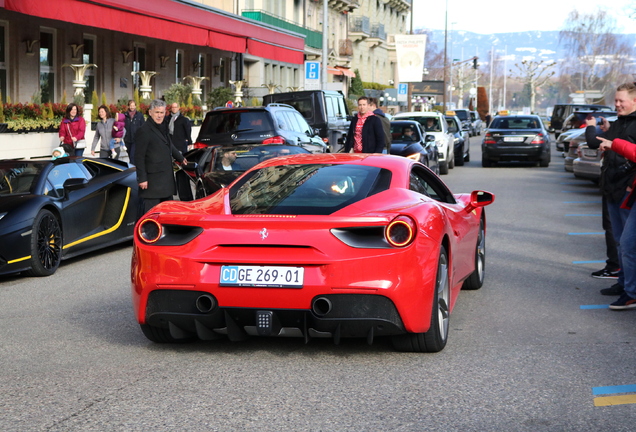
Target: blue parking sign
x: 312, y: 70
x: 403, y: 89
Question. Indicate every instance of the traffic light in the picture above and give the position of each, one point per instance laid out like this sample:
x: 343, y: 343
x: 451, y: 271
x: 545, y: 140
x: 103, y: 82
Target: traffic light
x: 475, y: 63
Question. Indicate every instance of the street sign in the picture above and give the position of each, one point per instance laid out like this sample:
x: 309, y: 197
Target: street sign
x: 312, y: 75
x: 229, y: 104
x: 402, y: 92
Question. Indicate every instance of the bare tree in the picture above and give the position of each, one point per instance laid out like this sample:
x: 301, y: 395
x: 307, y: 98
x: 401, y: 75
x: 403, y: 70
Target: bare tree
x: 534, y: 74
x: 597, y: 57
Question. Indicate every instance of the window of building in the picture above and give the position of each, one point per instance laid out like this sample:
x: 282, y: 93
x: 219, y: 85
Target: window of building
x: 47, y: 67
x: 89, y: 57
x: 3, y: 60
x: 222, y: 70
x: 178, y: 66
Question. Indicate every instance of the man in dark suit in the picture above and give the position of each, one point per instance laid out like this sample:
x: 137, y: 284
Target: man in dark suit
x: 134, y: 120
x: 180, y: 128
x: 154, y: 155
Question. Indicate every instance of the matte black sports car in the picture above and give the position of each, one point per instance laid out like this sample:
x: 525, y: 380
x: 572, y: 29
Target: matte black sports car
x: 209, y: 173
x: 408, y: 139
x: 56, y: 209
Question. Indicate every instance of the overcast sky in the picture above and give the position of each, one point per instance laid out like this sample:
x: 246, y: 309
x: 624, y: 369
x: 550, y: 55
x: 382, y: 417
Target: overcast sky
x: 504, y: 16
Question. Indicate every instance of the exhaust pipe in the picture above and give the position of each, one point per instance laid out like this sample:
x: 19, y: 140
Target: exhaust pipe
x: 205, y: 303
x: 321, y: 306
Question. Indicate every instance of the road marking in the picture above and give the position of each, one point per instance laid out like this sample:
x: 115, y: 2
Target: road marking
x: 594, y: 306
x: 614, y: 400
x: 588, y: 262
x: 588, y: 233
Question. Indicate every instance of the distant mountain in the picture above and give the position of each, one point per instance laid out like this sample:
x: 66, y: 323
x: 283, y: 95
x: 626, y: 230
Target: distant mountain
x: 535, y: 45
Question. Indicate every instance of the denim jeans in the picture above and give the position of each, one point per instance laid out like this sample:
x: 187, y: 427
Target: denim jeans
x: 624, y: 228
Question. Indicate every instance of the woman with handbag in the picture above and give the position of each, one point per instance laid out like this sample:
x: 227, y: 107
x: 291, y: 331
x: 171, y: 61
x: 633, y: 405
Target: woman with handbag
x: 104, y: 132
x: 72, y: 131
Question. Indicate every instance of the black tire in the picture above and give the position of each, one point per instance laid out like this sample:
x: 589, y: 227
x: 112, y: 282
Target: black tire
x: 459, y: 160
x: 443, y: 168
x: 161, y: 335
x: 451, y: 162
x: 434, y: 340
x: 467, y: 157
x: 485, y: 162
x: 46, y: 244
x: 476, y: 279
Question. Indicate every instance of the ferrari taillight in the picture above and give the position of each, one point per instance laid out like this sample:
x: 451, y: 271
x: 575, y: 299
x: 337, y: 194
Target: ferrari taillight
x: 401, y: 231
x: 149, y: 231
x: 488, y: 139
x: 274, y: 140
x: 199, y: 145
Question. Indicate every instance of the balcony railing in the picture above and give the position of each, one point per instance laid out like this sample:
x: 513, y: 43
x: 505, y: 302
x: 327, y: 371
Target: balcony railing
x: 377, y: 31
x: 361, y: 25
x: 313, y: 38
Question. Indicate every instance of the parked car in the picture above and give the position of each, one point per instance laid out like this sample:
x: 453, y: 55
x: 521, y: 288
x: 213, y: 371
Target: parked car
x: 323, y: 110
x: 516, y: 138
x: 588, y: 163
x: 273, y: 124
x: 563, y: 141
x: 576, y: 120
x: 51, y: 210
x: 562, y: 111
x: 464, y: 116
x: 434, y: 123
x: 205, y: 173
x: 416, y: 146
x: 477, y: 123
x: 461, y: 141
x: 573, y: 151
x: 274, y: 254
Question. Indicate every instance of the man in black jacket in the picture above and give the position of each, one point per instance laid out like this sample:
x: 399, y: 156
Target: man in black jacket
x: 386, y: 123
x: 180, y: 128
x: 154, y: 155
x: 617, y: 173
x: 134, y: 120
x: 365, y: 131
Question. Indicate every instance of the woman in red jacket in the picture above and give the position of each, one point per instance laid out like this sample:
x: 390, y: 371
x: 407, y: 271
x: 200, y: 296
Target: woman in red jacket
x: 627, y: 235
x: 72, y: 131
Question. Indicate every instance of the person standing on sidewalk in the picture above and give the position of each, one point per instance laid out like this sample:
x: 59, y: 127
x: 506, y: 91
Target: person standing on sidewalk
x: 617, y: 175
x: 365, y: 131
x: 134, y: 120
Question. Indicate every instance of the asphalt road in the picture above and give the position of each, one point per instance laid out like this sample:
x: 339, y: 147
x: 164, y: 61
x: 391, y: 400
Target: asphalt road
x: 522, y: 353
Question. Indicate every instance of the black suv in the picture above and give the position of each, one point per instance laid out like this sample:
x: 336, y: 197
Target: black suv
x: 273, y: 124
x: 325, y: 111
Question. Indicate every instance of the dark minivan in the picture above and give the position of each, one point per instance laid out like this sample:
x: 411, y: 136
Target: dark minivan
x: 324, y: 110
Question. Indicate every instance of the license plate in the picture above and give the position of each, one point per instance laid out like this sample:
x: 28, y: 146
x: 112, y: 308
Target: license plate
x: 262, y: 276
x: 514, y: 139
x: 589, y: 153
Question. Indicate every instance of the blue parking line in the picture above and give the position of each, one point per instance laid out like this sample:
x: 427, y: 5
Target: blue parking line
x: 584, y: 214
x: 594, y: 306
x: 589, y: 262
x: 588, y: 233
x: 628, y: 388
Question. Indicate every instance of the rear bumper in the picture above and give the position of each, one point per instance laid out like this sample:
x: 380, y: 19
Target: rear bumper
x: 338, y: 315
x: 514, y: 153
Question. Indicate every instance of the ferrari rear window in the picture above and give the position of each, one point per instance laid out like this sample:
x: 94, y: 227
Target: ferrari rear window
x: 313, y: 189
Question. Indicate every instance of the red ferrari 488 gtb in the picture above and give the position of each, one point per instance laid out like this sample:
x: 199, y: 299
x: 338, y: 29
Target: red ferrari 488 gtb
x: 331, y: 245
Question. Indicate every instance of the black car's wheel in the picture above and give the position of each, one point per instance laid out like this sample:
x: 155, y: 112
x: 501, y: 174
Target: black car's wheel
x: 451, y: 162
x: 459, y: 159
x: 545, y: 162
x: 476, y: 279
x: 434, y: 340
x: 485, y: 162
x: 46, y: 244
x: 443, y: 167
x: 161, y: 335
x: 467, y: 157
